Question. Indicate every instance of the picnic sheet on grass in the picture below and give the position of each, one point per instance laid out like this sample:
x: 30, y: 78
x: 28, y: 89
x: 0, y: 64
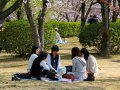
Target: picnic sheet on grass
x: 49, y: 80
x: 61, y: 80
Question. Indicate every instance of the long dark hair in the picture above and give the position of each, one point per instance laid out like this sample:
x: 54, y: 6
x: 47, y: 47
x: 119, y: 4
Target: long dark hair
x: 85, y: 52
x: 42, y: 56
x: 75, y: 52
x: 34, y: 48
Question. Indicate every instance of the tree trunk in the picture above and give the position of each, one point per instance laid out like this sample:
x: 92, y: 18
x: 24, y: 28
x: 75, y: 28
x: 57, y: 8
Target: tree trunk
x: 115, y: 14
x: 83, y: 21
x: 41, y: 20
x: 119, y: 3
x: 105, y: 42
x: 35, y: 34
x: 85, y: 15
x: 77, y: 16
x: 67, y: 17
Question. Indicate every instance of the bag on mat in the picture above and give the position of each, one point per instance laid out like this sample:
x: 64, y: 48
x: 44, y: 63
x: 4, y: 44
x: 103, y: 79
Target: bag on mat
x: 68, y: 69
x: 69, y: 76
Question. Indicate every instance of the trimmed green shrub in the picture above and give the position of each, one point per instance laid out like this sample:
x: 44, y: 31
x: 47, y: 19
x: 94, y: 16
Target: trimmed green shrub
x: 66, y: 29
x: 50, y: 36
x: 91, y: 36
x: 17, y: 38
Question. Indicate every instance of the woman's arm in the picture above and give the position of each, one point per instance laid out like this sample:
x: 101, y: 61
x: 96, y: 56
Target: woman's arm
x: 30, y: 61
x: 59, y: 62
x: 49, y: 62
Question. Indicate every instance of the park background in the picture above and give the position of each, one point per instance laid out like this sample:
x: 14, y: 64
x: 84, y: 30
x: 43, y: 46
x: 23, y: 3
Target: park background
x: 24, y: 23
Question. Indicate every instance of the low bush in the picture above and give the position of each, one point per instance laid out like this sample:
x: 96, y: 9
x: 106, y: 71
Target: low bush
x: 17, y: 37
x: 66, y: 29
x: 91, y: 36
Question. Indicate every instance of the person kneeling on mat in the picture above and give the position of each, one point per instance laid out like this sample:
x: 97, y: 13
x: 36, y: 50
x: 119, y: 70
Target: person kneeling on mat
x: 41, y: 69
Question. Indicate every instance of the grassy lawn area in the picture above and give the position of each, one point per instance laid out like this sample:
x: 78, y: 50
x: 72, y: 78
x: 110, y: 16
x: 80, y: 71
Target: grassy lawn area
x: 109, y: 76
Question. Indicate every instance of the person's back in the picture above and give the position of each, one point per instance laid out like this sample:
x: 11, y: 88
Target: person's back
x: 30, y: 62
x: 36, y: 68
x: 34, y: 54
x: 79, y: 68
x: 79, y: 64
x: 92, y: 65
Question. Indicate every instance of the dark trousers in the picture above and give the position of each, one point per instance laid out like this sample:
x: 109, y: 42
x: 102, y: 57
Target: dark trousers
x: 47, y: 73
x: 50, y: 74
x: 90, y: 77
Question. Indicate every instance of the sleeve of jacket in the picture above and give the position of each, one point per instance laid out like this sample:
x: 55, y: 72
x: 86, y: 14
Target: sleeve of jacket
x: 49, y: 62
x: 74, y: 65
x: 59, y: 62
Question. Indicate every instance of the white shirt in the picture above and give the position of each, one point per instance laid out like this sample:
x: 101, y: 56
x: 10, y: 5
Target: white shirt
x: 44, y: 65
x: 49, y: 62
x: 79, y: 68
x: 59, y: 40
x: 30, y: 62
x: 92, y: 66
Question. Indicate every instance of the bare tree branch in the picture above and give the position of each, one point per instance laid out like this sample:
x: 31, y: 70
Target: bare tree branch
x: 7, y: 12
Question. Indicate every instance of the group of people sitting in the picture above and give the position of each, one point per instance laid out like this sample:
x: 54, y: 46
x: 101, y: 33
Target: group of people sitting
x: 42, y: 64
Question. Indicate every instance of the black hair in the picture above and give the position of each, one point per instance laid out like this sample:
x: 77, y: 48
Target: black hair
x: 75, y: 52
x: 91, y: 15
x: 34, y: 48
x: 94, y: 16
x: 42, y: 56
x: 85, y: 52
x: 54, y: 48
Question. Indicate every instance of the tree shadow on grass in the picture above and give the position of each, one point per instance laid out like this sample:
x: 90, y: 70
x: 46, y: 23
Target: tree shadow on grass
x: 12, y: 61
x: 78, y: 88
x: 117, y: 61
x: 66, y: 56
x: 110, y: 79
x: 12, y: 58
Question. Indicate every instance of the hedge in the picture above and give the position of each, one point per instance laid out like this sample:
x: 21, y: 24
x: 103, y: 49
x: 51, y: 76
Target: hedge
x: 91, y: 36
x: 17, y: 38
x: 66, y: 29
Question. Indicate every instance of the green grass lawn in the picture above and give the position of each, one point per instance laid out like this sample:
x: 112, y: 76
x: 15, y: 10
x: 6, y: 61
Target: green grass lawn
x: 109, y: 76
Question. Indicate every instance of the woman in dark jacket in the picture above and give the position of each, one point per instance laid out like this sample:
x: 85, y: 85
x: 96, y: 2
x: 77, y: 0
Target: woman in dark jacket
x: 40, y: 68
